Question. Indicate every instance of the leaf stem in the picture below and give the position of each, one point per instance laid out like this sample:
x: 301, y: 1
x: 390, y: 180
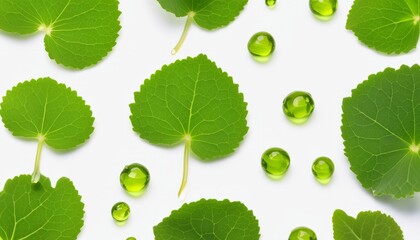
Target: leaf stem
x: 36, y: 175
x: 184, y: 33
x: 185, y: 171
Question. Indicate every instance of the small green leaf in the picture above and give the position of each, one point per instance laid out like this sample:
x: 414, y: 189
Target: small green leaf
x: 191, y: 101
x: 48, y: 112
x: 381, y: 132
x: 208, y: 14
x: 391, y: 26
x: 209, y: 219
x: 367, y: 226
x: 38, y: 211
x: 78, y: 33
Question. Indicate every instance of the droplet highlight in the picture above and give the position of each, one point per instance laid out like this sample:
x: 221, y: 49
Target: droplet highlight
x: 120, y: 212
x: 134, y: 178
x: 298, y: 106
x: 323, y: 169
x: 323, y: 8
x: 302, y: 233
x: 275, y: 162
x: 261, y: 46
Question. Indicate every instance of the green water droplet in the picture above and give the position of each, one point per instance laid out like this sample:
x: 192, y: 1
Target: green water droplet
x: 261, y: 45
x: 323, y: 169
x: 323, y: 8
x: 298, y: 106
x: 270, y: 3
x: 131, y: 238
x: 120, y: 211
x: 302, y: 233
x: 275, y: 162
x: 134, y: 178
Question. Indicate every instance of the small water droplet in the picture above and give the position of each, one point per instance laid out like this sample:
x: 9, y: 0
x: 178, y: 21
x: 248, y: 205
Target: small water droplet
x: 298, y: 106
x: 275, y: 162
x: 323, y: 169
x: 270, y: 3
x: 302, y: 233
x: 134, y: 178
x: 120, y: 211
x: 323, y: 8
x: 261, y: 45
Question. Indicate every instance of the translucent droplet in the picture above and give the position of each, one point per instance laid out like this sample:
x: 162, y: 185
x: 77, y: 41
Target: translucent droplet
x: 275, y: 162
x: 302, y: 233
x: 120, y: 211
x: 261, y: 46
x: 131, y: 238
x: 270, y: 3
x: 323, y: 8
x: 323, y: 169
x: 134, y: 178
x: 298, y: 106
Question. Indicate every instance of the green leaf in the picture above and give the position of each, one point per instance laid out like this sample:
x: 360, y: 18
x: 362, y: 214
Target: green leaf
x: 38, y: 211
x: 367, y: 226
x: 78, y: 33
x: 389, y: 26
x: 208, y: 14
x: 380, y: 128
x: 48, y: 112
x: 191, y: 101
x: 209, y: 219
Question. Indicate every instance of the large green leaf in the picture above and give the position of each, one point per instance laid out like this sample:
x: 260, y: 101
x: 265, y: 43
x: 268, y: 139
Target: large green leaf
x: 209, y: 219
x: 208, y: 14
x: 48, y: 112
x: 381, y: 131
x: 367, y: 226
x: 191, y: 101
x: 78, y: 33
x: 38, y: 211
x: 389, y: 26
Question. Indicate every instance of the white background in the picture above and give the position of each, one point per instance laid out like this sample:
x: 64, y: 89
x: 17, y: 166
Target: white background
x: 322, y: 58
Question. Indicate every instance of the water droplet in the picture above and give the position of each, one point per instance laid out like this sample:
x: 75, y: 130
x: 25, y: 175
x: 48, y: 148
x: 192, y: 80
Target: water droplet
x: 302, y: 233
x: 270, y: 3
x: 275, y: 162
x: 261, y: 46
x: 134, y: 178
x: 120, y: 211
x: 323, y: 169
x: 298, y: 106
x: 323, y: 8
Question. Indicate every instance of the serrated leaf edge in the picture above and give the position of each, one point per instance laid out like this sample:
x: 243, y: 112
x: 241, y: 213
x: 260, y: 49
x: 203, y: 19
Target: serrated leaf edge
x: 370, y: 45
x: 230, y: 79
x: 214, y: 201
x: 366, y: 212
x: 221, y: 26
x: 58, y: 61
x: 59, y: 84
x: 346, y: 99
x: 48, y: 182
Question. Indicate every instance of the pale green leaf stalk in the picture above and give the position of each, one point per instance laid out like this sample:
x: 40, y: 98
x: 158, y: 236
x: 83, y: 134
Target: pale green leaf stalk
x: 37, y: 171
x: 208, y: 14
x: 193, y: 102
x: 181, y: 41
x: 48, y: 112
